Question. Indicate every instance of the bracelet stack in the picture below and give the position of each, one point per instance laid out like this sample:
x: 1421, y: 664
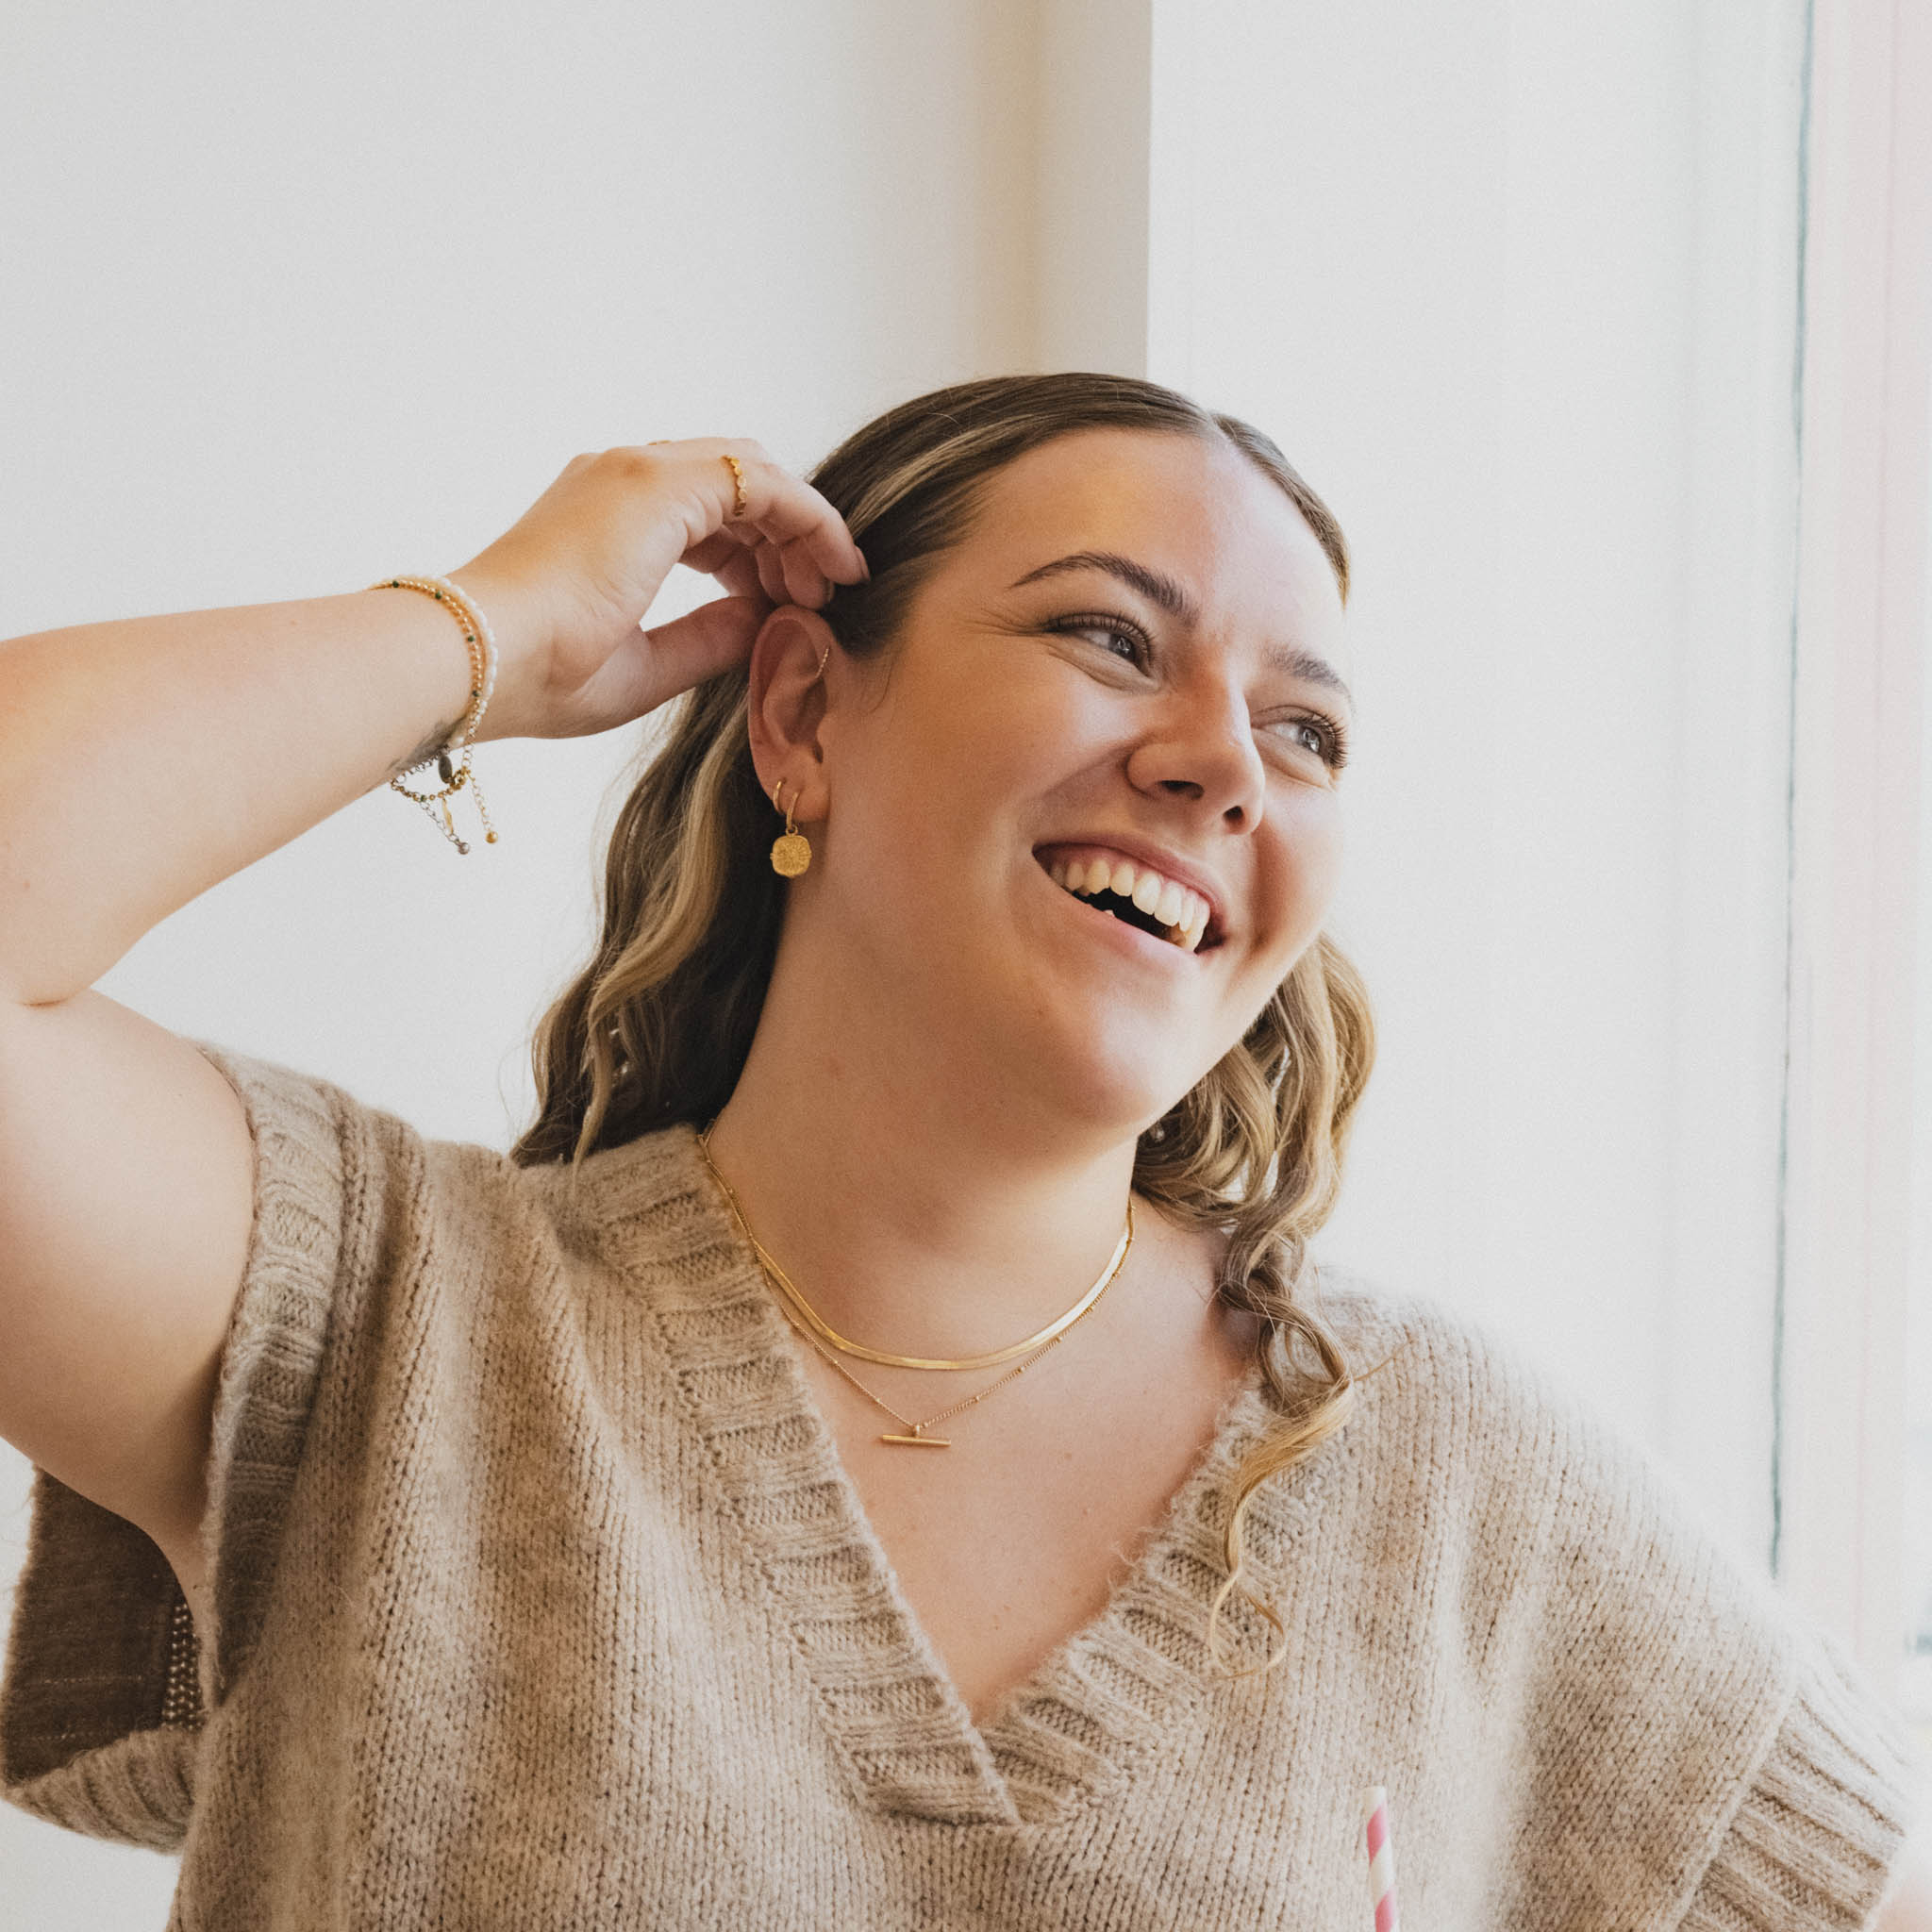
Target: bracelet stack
x: 453, y: 762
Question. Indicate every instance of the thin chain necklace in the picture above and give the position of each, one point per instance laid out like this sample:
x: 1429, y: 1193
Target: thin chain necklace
x: 825, y: 1338
x: 917, y: 1438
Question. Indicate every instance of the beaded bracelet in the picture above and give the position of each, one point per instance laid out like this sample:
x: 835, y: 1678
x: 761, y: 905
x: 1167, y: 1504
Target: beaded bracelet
x: 454, y: 773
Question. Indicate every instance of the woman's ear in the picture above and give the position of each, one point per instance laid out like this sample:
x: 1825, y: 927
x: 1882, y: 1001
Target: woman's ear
x: 785, y: 704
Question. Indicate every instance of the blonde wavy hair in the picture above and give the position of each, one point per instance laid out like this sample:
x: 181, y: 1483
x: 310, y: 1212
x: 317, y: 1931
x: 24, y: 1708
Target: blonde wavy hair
x: 656, y: 1028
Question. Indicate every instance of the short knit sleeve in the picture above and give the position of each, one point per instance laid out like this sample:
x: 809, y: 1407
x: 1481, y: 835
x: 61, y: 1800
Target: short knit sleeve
x: 1820, y: 1822
x: 1682, y: 1746
x: 108, y: 1685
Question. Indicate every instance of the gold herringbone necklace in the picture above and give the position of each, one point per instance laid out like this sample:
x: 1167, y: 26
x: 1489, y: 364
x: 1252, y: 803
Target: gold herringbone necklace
x: 825, y: 1338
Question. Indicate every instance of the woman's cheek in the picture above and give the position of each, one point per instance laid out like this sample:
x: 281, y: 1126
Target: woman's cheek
x: 1302, y: 874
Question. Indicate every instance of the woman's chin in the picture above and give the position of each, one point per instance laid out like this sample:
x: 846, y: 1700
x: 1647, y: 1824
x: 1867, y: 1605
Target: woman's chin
x: 1119, y: 1094
x: 1092, y: 1060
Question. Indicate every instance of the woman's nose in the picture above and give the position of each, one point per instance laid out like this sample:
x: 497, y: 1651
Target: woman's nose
x: 1202, y: 749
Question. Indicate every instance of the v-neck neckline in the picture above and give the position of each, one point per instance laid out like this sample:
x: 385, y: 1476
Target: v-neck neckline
x: 1101, y: 1697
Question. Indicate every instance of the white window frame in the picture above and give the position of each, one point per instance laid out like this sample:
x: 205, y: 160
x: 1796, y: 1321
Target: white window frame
x: 1860, y: 886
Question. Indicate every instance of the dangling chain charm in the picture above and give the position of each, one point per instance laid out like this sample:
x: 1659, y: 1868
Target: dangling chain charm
x: 791, y: 849
x: 454, y: 772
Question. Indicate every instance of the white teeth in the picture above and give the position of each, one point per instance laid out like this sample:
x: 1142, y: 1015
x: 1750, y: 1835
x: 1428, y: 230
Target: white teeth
x: 1179, y: 909
x: 1189, y: 922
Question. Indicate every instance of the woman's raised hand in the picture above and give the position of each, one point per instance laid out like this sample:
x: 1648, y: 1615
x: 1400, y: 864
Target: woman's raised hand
x: 567, y: 586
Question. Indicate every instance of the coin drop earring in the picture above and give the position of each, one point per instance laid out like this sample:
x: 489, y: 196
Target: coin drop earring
x: 791, y: 849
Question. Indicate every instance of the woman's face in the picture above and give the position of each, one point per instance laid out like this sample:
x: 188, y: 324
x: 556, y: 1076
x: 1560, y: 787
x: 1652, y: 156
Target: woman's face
x: 1129, y: 662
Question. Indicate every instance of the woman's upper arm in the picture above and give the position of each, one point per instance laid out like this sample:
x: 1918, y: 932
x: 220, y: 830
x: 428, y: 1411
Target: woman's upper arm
x: 126, y: 1202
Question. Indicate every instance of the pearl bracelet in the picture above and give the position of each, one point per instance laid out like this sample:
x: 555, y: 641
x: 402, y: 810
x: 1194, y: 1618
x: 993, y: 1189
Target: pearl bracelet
x: 454, y: 773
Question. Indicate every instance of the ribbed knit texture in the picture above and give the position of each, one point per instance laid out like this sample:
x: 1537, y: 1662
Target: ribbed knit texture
x: 541, y: 1599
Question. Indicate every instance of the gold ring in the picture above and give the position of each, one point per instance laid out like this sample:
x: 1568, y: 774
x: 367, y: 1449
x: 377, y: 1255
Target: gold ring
x: 737, y: 483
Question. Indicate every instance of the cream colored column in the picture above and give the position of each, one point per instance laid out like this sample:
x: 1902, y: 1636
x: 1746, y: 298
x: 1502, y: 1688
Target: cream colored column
x: 1092, y: 112
x: 1116, y: 114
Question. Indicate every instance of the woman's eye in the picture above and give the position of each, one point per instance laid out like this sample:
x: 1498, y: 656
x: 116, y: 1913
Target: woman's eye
x: 1330, y: 741
x: 1112, y: 632
x: 1327, y: 738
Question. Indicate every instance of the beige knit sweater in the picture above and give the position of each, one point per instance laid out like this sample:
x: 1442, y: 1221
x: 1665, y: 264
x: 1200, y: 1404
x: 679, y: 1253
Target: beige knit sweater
x: 541, y: 1600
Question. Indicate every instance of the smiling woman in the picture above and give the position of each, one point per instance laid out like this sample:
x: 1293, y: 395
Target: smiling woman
x: 993, y: 732
x: 431, y: 1535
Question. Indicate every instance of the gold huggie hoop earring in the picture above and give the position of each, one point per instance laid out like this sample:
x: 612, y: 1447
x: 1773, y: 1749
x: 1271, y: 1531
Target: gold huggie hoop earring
x: 791, y: 849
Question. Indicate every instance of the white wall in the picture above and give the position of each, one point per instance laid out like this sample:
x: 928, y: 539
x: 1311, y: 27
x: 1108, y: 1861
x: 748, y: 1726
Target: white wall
x: 294, y: 299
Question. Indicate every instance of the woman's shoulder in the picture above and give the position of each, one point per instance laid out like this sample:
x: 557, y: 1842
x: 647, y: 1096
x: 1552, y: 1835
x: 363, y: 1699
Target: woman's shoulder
x: 1527, y: 1469
x: 1571, y: 1575
x: 1429, y: 1332
x: 323, y: 1151
x: 1444, y: 1365
x: 1447, y: 1366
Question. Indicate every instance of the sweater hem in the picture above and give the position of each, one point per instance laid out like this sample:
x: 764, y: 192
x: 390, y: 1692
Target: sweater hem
x: 1822, y: 1821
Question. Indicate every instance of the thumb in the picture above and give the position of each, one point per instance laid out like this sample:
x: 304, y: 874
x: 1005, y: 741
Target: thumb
x: 698, y: 645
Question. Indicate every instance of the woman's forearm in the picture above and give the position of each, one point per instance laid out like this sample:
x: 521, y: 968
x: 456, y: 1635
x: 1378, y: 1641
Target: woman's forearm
x: 144, y: 761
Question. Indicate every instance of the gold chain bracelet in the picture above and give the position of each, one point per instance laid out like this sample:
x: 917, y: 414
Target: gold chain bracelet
x: 455, y: 772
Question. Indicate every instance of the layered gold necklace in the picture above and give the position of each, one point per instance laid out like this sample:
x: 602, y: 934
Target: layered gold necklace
x: 826, y: 1339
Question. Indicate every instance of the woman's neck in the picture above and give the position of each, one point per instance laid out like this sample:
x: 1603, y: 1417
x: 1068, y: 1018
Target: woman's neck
x: 916, y: 1210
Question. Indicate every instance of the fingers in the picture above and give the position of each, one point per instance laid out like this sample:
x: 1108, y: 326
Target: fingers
x: 745, y: 562
x: 805, y: 582
x: 783, y: 510
x: 726, y: 555
x: 772, y: 573
x: 697, y: 645
x: 809, y: 534
x: 587, y: 559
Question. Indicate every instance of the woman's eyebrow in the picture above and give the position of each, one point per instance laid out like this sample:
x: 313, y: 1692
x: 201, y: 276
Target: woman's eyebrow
x: 1157, y: 586
x: 1160, y: 589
